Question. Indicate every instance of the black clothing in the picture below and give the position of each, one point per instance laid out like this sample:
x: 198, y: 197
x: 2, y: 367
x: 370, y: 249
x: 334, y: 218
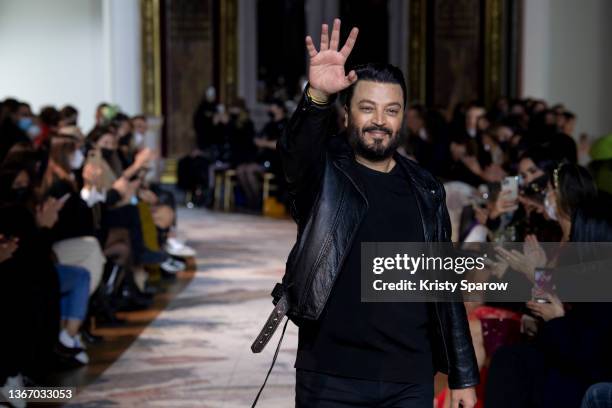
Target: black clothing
x: 327, y: 391
x: 328, y: 203
x: 203, y: 125
x: 269, y: 157
x: 29, y: 298
x: 571, y: 353
x: 241, y: 133
x: 10, y: 134
x: 364, y: 340
x: 75, y: 219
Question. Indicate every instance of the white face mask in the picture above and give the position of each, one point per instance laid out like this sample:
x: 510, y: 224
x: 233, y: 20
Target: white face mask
x: 33, y: 132
x: 138, y: 139
x: 77, y: 159
x: 551, y: 208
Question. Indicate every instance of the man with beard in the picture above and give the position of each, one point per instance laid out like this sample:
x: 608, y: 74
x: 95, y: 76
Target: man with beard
x: 349, y: 190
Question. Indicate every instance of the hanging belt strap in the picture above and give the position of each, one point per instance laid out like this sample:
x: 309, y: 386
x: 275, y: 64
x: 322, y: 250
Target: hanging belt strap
x: 271, y: 365
x: 274, y: 320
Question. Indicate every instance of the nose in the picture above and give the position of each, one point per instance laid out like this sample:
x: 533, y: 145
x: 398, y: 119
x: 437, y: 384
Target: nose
x: 379, y: 118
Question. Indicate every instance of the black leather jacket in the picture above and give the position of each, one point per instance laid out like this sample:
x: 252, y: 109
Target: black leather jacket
x: 328, y: 204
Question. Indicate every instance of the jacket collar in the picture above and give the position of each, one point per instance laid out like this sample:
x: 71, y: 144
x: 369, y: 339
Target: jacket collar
x: 344, y: 159
x: 342, y: 154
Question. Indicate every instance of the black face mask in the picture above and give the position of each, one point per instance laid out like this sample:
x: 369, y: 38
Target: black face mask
x: 19, y: 195
x: 125, y: 140
x: 107, y: 154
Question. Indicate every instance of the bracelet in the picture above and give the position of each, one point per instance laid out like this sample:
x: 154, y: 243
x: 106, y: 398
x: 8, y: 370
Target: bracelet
x: 315, y: 100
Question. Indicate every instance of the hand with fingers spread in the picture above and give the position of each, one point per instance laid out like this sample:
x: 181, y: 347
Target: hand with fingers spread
x: 326, y: 73
x: 534, y: 251
x: 518, y: 261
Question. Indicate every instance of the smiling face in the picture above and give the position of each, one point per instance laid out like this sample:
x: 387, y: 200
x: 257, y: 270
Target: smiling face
x: 374, y: 119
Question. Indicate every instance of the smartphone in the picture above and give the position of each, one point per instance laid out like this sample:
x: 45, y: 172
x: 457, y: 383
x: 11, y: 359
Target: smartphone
x: 543, y: 284
x: 510, y: 184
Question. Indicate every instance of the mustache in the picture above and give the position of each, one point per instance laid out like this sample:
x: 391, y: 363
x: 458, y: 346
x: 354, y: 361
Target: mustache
x: 377, y: 129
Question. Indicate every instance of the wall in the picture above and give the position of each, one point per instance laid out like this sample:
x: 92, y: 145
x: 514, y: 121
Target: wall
x: 77, y: 52
x: 567, y: 58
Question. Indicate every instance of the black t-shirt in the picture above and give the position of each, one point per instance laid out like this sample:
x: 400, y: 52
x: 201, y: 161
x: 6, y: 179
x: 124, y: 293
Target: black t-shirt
x: 374, y: 341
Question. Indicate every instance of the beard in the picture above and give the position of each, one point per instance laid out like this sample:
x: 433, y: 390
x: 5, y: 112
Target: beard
x: 376, y: 151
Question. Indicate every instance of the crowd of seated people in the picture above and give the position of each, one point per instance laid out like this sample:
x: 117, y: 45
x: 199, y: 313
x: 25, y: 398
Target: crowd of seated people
x: 551, y: 353
x: 227, y: 140
x: 84, y: 233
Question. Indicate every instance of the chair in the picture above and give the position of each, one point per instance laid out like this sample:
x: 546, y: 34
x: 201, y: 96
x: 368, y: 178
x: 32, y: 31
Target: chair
x: 228, y: 189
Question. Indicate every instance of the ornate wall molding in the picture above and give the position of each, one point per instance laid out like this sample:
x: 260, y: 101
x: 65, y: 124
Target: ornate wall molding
x: 493, y: 52
x: 417, y: 54
x: 228, y: 50
x: 151, y: 57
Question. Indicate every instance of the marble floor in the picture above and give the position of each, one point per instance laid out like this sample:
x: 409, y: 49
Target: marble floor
x: 196, y: 353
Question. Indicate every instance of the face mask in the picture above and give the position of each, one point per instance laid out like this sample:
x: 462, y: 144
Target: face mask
x: 125, y: 140
x: 20, y: 195
x: 34, y: 132
x: 77, y: 159
x: 138, y: 139
x: 108, y: 154
x: 551, y: 208
x: 24, y: 123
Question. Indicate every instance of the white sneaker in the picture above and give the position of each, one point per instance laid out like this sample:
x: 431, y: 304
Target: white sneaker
x: 78, y: 341
x: 82, y: 357
x: 12, y: 384
x: 178, y: 248
x: 172, y: 265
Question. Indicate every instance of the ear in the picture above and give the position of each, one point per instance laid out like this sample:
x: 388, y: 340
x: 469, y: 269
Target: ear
x: 346, y: 115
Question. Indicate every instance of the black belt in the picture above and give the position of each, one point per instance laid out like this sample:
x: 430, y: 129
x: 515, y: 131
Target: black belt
x: 274, y: 320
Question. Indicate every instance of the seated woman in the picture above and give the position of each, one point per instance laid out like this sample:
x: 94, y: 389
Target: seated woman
x: 571, y: 348
x: 30, y: 298
x: 117, y: 192
x: 74, y: 233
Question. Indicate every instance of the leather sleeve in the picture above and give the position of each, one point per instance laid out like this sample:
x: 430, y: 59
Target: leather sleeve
x: 462, y: 366
x: 302, y: 150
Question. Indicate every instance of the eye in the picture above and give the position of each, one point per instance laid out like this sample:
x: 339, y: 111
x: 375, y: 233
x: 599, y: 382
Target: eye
x: 366, y: 109
x: 392, y: 112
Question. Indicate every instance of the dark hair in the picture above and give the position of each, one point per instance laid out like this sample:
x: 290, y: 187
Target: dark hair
x: 568, y: 115
x: 541, y: 158
x: 97, y: 132
x: 49, y: 116
x: 419, y: 110
x: 11, y: 104
x: 69, y: 114
x: 592, y: 222
x: 575, y: 185
x: 376, y: 72
x: 278, y: 103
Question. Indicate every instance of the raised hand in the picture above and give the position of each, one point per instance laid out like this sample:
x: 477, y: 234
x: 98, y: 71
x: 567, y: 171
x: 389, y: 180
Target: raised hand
x: 326, y: 72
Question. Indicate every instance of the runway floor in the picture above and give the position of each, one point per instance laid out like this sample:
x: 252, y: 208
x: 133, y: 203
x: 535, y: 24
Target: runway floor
x: 196, y: 352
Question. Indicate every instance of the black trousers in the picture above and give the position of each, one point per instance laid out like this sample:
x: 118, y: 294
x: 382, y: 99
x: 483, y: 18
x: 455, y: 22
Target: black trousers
x: 317, y: 390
